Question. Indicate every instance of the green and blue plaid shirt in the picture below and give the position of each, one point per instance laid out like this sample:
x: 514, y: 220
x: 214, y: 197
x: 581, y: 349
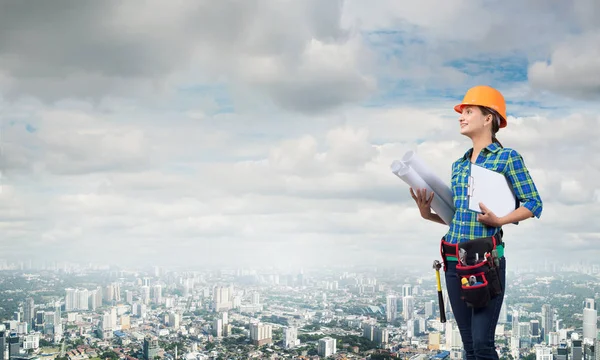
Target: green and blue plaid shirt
x: 464, y: 225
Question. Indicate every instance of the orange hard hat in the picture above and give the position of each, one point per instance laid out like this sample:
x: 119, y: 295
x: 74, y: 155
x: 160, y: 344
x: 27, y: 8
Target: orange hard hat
x: 487, y: 96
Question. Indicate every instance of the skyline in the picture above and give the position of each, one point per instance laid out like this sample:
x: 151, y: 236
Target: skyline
x: 262, y: 132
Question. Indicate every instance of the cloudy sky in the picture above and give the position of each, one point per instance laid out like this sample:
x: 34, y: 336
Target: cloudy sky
x: 262, y: 132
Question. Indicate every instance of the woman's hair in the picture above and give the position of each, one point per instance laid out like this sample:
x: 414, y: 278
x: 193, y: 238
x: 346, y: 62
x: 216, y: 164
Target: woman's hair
x: 495, y: 123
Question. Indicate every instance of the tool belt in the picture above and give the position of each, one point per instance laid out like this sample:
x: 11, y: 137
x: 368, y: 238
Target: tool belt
x: 477, y: 268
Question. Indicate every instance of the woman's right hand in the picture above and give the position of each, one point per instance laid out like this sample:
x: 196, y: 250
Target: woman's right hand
x: 423, y: 202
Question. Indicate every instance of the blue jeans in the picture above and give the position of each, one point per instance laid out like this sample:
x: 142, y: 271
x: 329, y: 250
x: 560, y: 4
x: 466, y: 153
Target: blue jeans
x: 477, y: 326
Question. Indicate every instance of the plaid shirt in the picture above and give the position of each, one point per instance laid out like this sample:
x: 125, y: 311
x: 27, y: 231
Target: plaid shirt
x: 464, y: 225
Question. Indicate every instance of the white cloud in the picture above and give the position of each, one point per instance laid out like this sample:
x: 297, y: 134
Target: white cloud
x: 162, y: 145
x: 336, y: 188
x: 573, y: 68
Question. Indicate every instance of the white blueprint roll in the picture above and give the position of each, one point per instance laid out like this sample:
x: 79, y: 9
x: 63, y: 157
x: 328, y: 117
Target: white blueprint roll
x: 441, y: 190
x: 410, y: 176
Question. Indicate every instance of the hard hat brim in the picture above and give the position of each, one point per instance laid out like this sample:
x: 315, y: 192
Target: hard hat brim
x: 458, y: 108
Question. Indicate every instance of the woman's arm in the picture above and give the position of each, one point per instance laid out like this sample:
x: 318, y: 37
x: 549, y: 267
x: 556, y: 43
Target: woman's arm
x: 520, y: 214
x: 436, y: 218
x: 525, y: 191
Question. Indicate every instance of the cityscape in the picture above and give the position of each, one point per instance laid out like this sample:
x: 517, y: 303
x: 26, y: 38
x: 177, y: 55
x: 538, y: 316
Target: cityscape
x: 66, y: 311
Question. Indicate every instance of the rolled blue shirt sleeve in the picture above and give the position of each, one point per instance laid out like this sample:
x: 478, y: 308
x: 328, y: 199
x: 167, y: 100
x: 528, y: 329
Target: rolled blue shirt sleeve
x: 522, y: 183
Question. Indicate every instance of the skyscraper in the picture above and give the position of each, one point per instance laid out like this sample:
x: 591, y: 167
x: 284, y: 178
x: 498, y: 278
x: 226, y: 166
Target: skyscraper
x: 503, y: 317
x: 406, y: 290
x: 71, y: 300
x: 327, y: 346
x: 223, y: 298
x: 590, y: 320
x: 76, y: 299
x: 290, y: 337
x: 547, y: 320
x: 576, y: 347
x: 28, y: 312
x: 408, y: 307
x: 261, y: 334
x: 2, y: 344
x: 391, y: 308
x: 150, y: 348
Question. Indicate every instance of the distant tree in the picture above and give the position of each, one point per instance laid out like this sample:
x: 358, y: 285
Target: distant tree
x: 110, y: 355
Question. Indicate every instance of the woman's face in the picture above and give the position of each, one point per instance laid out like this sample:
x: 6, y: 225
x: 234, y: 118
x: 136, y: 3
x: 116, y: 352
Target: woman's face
x: 472, y: 121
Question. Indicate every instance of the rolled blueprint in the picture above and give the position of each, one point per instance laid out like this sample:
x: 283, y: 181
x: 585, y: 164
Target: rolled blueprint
x: 440, y: 189
x: 410, y: 176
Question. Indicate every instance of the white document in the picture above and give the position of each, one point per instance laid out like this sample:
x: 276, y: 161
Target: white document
x: 410, y: 176
x: 492, y: 189
x: 438, y: 186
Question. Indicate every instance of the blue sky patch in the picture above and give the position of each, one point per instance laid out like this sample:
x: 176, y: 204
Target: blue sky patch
x: 219, y: 93
x: 504, y: 69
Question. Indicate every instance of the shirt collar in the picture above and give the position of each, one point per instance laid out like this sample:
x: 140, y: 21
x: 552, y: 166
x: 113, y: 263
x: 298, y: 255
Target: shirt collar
x: 493, y: 147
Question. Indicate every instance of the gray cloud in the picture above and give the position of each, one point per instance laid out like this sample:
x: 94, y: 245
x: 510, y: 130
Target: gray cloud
x: 114, y: 48
x: 573, y: 70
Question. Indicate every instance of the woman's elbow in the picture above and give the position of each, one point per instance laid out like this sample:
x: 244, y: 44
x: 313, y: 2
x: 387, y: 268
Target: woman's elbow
x: 535, y: 206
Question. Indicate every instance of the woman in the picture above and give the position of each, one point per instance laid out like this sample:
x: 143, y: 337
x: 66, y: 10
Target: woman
x: 483, y: 113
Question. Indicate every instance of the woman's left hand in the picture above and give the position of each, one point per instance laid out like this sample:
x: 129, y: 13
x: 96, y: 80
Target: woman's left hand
x: 488, y: 217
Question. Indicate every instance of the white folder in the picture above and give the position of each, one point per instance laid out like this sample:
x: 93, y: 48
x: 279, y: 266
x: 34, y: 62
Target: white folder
x: 492, y: 189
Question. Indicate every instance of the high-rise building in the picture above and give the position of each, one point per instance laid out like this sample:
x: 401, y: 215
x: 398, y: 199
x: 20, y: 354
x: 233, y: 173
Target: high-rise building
x: 515, y: 324
x: 429, y: 309
x: 589, y: 351
x: 150, y: 348
x: 109, y: 294
x: 391, y: 309
x: 327, y: 346
x: 76, y: 299
x: 381, y: 336
x: 576, y: 347
x: 503, y: 318
x: 129, y: 297
x: 434, y: 340
x: 29, y: 312
x: 562, y: 352
x: 290, y: 337
x: 408, y: 307
x: 407, y: 290
x: 218, y: 327
x: 145, y: 295
x: 174, y: 319
x: 116, y: 292
x: 93, y: 300
x: 157, y: 294
x: 368, y: 331
x: 31, y: 342
x: 534, y: 330
x: 590, y: 321
x: 2, y: 344
x: 547, y: 321
x: 255, y: 298
x: 83, y: 300
x: 261, y: 334
x: 14, y: 346
x: 223, y: 298
x: 543, y: 352
x: 70, y: 300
